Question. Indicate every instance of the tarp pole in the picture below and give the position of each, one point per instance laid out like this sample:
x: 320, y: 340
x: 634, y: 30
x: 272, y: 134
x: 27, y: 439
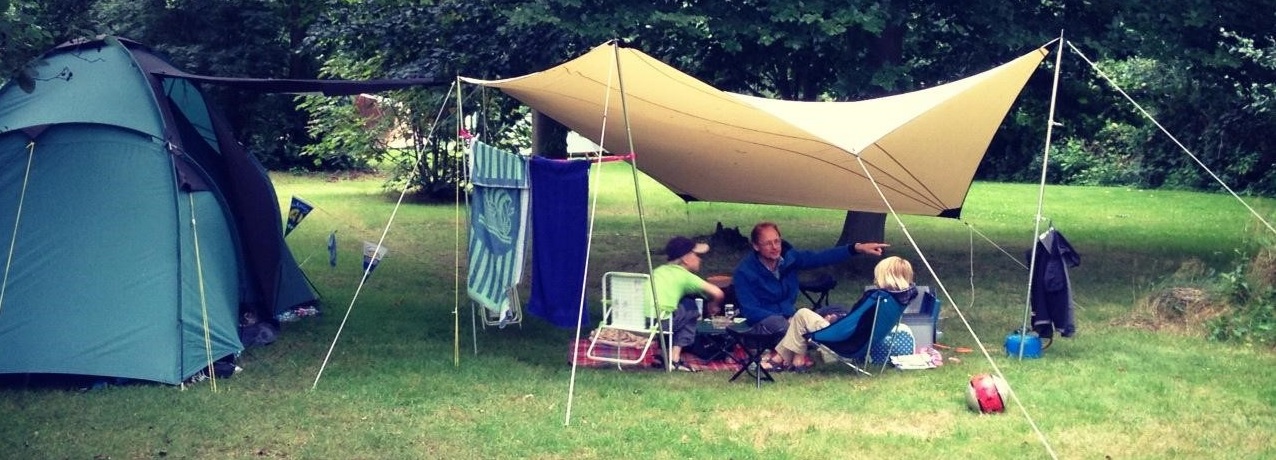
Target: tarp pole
x: 1041, y: 194
x: 380, y: 244
x: 456, y: 249
x: 665, y: 345
x: 571, y: 390
x: 589, y: 241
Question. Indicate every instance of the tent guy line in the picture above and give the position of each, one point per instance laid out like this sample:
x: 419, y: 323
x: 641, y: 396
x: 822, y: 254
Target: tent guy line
x: 1041, y: 436
x: 367, y: 271
x: 1180, y: 145
x: 13, y: 241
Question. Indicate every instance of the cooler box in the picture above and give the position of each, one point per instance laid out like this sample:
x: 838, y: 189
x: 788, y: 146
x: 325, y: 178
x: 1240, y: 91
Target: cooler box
x: 921, y: 316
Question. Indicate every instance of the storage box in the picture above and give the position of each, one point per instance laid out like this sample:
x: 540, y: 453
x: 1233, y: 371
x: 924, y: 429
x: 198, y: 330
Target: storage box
x: 922, y: 317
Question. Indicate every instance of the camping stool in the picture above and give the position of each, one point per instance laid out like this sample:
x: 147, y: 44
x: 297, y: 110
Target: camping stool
x: 754, y: 345
x: 820, y: 286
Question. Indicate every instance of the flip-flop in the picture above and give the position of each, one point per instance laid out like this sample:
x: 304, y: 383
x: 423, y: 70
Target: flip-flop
x: 682, y: 366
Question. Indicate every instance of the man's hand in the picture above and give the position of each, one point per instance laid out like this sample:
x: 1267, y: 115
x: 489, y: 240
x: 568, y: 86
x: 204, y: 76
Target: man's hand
x: 874, y: 249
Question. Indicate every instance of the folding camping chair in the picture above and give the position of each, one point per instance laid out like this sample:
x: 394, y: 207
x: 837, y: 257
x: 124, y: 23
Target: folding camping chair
x: 513, y: 315
x: 624, y: 309
x: 852, y: 337
x: 817, y: 289
x: 754, y: 345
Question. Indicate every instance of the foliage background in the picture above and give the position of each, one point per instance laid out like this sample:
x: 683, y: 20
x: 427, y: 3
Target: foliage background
x: 1205, y: 70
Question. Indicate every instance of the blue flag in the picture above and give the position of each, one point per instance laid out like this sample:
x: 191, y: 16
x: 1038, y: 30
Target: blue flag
x: 372, y: 256
x: 298, y: 211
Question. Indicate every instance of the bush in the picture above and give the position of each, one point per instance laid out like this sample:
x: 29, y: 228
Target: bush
x: 1111, y: 158
x: 1184, y: 302
x: 1250, y: 291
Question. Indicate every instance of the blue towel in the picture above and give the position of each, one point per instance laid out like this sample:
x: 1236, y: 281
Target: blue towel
x: 498, y: 217
x: 560, y: 231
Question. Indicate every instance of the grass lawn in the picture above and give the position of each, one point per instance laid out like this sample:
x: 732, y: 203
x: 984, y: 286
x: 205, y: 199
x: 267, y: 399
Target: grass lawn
x: 405, y: 381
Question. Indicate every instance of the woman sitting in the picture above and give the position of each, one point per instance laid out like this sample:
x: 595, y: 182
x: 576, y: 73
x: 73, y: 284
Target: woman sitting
x: 892, y: 274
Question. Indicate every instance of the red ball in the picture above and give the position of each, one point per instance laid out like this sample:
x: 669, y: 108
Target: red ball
x: 987, y: 394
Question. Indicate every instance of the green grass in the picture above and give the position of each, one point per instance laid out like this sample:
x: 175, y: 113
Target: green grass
x: 399, y: 384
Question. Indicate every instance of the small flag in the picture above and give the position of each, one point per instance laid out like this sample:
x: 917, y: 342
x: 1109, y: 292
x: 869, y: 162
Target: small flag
x: 299, y: 209
x: 372, y: 256
x: 332, y: 249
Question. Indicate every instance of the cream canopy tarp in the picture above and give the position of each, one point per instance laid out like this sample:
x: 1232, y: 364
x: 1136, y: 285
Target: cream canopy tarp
x: 922, y: 148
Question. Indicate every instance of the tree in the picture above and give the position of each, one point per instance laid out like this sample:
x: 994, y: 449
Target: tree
x: 21, y: 40
x: 824, y: 50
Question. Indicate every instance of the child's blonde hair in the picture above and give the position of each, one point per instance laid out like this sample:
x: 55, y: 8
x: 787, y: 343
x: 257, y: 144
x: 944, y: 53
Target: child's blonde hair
x: 893, y: 273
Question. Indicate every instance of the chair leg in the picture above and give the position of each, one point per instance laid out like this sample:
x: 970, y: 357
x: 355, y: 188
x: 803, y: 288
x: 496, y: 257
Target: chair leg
x: 753, y: 365
x: 847, y: 361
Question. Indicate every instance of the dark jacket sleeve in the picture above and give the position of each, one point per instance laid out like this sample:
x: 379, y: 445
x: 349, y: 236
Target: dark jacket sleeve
x: 803, y: 260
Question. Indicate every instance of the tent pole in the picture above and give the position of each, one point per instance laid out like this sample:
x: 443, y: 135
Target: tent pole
x: 589, y: 241
x: 612, y: 70
x: 456, y: 249
x: 642, y: 220
x: 1041, y: 193
x: 203, y: 298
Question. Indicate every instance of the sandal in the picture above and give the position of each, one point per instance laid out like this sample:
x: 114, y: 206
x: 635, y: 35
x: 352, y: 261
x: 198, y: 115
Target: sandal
x: 801, y: 368
x: 772, y: 366
x: 682, y: 366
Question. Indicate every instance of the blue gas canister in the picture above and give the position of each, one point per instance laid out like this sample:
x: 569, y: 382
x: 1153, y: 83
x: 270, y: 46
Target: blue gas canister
x: 1030, y: 342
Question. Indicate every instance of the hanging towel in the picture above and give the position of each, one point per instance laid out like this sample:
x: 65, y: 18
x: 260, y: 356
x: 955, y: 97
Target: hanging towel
x: 560, y: 231
x: 498, y: 219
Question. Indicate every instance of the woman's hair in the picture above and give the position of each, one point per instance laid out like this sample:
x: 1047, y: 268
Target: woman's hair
x: 893, y: 273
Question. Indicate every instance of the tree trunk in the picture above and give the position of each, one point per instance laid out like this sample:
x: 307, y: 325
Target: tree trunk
x: 862, y: 227
x: 887, y: 51
x: 549, y: 137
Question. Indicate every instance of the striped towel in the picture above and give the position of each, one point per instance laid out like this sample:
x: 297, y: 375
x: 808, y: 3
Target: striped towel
x: 498, y: 219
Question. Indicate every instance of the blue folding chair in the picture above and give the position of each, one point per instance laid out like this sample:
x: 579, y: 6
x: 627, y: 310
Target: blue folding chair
x: 854, y: 335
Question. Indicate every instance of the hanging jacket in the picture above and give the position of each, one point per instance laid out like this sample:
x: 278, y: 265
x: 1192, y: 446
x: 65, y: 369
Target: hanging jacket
x: 1051, y: 288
